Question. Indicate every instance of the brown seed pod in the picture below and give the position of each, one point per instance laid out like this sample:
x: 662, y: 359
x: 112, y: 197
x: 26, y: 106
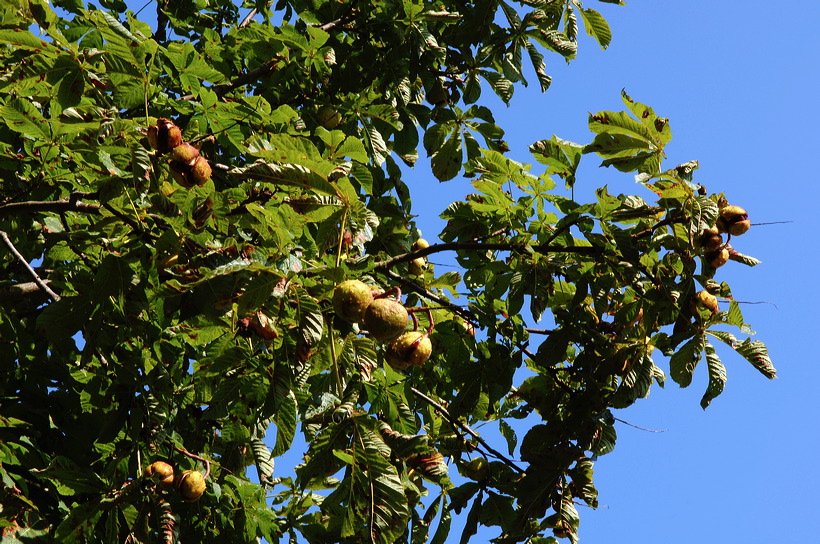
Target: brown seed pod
x: 385, y: 319
x: 350, y: 300
x: 190, y: 485
x: 185, y: 152
x: 412, y: 348
x: 705, y: 299
x: 717, y: 258
x: 710, y: 240
x: 160, y: 472
x: 421, y: 243
x: 734, y: 220
x: 416, y: 266
x: 164, y: 136
x: 200, y: 171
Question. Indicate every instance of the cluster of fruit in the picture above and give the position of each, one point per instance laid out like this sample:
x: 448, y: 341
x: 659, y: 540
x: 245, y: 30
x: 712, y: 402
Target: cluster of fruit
x: 188, y: 167
x: 417, y: 265
x: 385, y: 320
x: 190, y: 484
x: 732, y: 220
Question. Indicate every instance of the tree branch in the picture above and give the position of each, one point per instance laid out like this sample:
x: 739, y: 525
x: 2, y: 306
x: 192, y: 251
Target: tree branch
x: 248, y: 18
x: 483, y: 246
x: 43, y: 285
x: 20, y: 290
x: 71, y: 204
x: 260, y: 71
x: 463, y: 426
x: 161, y: 35
x: 410, y: 285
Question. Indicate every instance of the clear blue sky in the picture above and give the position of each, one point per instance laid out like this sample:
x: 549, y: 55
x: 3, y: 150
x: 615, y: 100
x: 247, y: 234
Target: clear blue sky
x: 739, y: 83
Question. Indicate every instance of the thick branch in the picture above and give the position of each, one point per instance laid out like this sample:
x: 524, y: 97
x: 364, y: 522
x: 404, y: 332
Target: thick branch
x: 20, y: 290
x: 43, y: 285
x: 463, y: 426
x: 71, y: 204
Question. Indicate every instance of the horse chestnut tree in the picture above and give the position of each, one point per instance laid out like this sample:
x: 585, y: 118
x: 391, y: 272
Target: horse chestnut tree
x: 177, y: 215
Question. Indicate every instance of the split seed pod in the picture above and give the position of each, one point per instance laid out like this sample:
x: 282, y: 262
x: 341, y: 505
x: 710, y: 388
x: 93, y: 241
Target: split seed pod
x: 734, y: 220
x: 164, y: 136
x: 412, y: 348
x: 160, y: 472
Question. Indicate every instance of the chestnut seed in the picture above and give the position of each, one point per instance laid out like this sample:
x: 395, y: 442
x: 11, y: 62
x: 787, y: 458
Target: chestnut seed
x: 164, y: 135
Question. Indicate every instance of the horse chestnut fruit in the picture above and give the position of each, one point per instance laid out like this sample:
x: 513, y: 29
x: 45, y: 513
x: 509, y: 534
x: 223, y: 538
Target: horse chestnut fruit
x: 350, y: 300
x: 412, y: 348
x: 385, y: 319
x: 191, y: 485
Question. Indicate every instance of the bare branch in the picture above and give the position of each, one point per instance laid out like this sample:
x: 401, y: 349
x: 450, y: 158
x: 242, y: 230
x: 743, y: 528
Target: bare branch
x: 20, y: 290
x: 71, y: 204
x: 463, y: 426
x: 248, y: 18
x: 43, y: 285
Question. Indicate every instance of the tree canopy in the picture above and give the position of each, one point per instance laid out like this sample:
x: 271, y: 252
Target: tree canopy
x: 210, y: 246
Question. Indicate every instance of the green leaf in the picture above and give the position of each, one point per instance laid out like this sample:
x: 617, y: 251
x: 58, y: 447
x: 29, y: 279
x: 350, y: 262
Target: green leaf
x: 597, y: 27
x: 717, y: 377
x: 21, y: 116
x: 446, y: 161
x: 757, y: 353
x: 682, y: 364
x: 509, y: 435
x: 285, y: 420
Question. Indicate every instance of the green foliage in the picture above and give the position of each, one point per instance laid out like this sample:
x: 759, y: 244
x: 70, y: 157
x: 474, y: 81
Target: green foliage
x: 186, y: 317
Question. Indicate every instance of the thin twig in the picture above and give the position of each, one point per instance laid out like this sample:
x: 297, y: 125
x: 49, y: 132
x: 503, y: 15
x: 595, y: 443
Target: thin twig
x: 43, y: 285
x: 410, y: 285
x: 641, y: 428
x: 483, y: 246
x: 463, y: 426
x: 539, y: 331
x: 183, y: 451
